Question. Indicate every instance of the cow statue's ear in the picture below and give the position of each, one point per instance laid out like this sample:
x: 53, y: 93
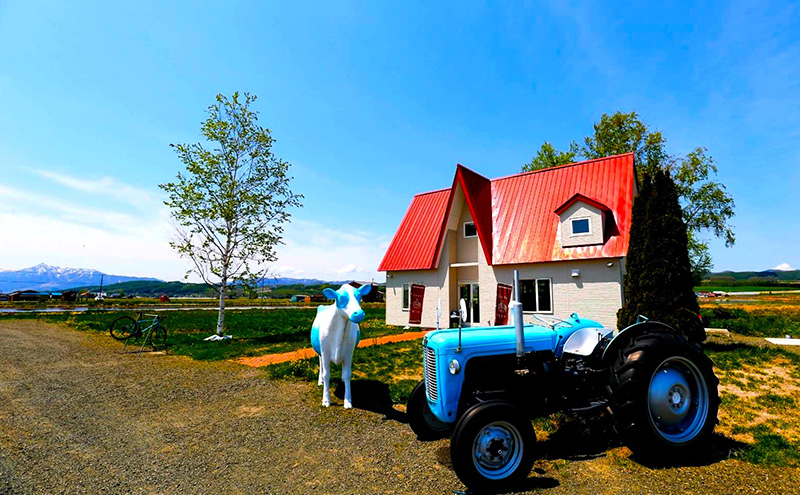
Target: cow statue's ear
x: 364, y: 289
x: 331, y: 294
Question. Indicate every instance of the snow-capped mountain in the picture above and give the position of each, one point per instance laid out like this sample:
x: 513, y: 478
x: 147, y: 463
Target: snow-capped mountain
x: 46, y: 277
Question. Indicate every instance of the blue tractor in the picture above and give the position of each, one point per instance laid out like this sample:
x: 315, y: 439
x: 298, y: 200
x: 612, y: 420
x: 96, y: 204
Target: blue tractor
x: 483, y: 386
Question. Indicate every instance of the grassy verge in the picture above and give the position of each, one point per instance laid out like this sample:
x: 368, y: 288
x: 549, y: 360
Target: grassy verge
x: 398, y: 365
x: 255, y: 332
x: 745, y: 288
x: 760, y: 392
x: 757, y: 319
x: 189, y: 302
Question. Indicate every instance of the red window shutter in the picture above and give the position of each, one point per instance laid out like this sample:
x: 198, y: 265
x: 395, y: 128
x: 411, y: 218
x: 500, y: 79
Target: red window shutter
x: 415, y: 312
x: 501, y: 308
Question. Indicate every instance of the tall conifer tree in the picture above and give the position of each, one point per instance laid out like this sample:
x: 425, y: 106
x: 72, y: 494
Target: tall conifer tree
x: 658, y: 278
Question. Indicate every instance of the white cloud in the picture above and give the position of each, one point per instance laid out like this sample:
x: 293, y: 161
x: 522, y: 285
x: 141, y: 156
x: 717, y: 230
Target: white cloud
x: 327, y: 253
x: 351, y: 268
x: 105, y: 186
x: 286, y: 271
x: 783, y: 267
x: 37, y: 238
x: 45, y: 228
x: 24, y: 201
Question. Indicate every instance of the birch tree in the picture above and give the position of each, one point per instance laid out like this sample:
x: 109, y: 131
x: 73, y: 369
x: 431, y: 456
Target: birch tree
x: 230, y: 205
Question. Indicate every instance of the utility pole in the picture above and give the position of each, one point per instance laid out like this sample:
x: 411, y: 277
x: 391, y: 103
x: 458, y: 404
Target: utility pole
x: 101, y: 285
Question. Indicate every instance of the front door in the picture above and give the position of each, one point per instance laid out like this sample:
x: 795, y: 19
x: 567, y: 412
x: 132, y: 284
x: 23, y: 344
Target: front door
x: 468, y: 291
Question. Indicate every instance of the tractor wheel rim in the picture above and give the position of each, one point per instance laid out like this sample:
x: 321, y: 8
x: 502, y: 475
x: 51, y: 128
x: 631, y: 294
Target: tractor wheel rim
x: 677, y: 400
x: 497, y: 450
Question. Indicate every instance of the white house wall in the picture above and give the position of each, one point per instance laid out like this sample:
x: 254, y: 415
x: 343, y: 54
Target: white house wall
x: 468, y: 248
x: 595, y: 294
x: 437, y: 285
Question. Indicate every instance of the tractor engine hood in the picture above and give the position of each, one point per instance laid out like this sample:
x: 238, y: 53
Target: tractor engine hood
x: 502, y: 339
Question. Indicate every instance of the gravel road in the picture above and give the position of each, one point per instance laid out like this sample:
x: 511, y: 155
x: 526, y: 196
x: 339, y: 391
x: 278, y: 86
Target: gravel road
x: 79, y: 416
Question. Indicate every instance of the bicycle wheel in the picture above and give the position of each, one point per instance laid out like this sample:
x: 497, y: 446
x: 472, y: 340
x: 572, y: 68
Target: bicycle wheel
x: 122, y: 328
x: 158, y: 338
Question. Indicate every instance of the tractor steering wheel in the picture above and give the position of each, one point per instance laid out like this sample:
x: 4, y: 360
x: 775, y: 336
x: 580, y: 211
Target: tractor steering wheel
x: 552, y: 321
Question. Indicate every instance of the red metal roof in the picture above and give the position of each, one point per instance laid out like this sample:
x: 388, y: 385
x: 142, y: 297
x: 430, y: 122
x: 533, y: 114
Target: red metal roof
x: 416, y: 243
x: 522, y: 209
x: 580, y: 197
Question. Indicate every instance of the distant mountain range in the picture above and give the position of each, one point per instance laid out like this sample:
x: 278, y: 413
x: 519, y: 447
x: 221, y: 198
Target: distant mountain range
x: 45, y: 277
x: 766, y: 275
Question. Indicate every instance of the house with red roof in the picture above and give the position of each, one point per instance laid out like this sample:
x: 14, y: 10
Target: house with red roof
x: 566, y: 230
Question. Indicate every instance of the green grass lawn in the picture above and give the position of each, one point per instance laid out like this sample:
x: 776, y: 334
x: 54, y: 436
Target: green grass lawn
x: 255, y: 331
x: 760, y: 392
x: 745, y: 288
x: 134, y: 303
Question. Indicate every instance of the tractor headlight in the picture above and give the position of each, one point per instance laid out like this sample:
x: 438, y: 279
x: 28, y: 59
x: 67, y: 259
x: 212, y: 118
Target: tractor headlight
x: 454, y: 366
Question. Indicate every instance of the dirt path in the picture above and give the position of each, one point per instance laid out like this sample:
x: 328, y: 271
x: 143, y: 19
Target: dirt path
x: 76, y: 416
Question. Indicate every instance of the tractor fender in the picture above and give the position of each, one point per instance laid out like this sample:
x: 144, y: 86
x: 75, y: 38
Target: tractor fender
x: 631, y: 332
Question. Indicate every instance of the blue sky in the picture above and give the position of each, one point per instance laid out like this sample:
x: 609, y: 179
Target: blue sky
x: 371, y: 103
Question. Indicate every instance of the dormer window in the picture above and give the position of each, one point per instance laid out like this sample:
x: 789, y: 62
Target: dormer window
x: 581, y: 221
x: 470, y: 230
x: 581, y: 226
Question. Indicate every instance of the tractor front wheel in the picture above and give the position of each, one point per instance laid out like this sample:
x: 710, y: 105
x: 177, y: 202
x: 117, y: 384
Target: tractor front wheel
x: 421, y: 419
x: 492, y: 446
x: 663, y: 395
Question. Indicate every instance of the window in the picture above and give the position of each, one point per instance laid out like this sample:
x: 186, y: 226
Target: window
x: 581, y: 226
x: 406, y: 296
x: 470, y: 293
x: 537, y: 296
x: 470, y: 230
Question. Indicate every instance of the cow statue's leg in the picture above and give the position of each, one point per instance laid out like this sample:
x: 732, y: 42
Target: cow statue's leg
x: 348, y: 398
x: 325, y: 372
x: 319, y: 381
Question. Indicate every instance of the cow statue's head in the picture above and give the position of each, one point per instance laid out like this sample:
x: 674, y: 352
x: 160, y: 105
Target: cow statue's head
x: 348, y: 300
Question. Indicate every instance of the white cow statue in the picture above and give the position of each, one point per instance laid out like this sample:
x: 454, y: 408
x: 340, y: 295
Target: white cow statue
x: 335, y: 334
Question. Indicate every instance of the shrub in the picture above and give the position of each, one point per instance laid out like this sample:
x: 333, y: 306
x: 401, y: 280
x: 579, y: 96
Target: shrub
x: 658, y: 281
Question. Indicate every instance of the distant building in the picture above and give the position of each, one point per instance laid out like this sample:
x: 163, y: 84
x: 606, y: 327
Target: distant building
x: 375, y: 295
x: 69, y: 295
x: 28, y: 295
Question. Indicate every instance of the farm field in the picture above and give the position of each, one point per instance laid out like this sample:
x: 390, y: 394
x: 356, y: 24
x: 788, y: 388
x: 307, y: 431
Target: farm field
x: 152, y: 302
x: 748, y: 288
x: 255, y: 331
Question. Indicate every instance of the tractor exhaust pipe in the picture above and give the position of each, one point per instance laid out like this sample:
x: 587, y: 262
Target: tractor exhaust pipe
x: 516, y: 307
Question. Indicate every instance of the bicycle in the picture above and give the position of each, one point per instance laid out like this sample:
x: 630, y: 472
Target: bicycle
x: 126, y: 328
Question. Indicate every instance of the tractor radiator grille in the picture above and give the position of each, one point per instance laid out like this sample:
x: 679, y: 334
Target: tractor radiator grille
x: 429, y: 361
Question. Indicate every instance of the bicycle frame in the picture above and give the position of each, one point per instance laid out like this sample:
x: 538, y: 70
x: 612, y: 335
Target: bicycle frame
x: 145, y: 332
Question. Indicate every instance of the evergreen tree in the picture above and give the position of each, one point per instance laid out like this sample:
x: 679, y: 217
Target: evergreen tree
x: 658, y: 278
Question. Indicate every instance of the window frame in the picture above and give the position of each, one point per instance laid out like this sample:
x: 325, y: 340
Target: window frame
x: 405, y: 301
x: 464, y: 230
x: 536, y: 295
x: 572, y: 227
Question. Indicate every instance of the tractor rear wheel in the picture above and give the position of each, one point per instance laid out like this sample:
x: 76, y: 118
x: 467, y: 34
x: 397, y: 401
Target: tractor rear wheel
x: 493, y: 446
x: 663, y: 396
x: 421, y: 419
